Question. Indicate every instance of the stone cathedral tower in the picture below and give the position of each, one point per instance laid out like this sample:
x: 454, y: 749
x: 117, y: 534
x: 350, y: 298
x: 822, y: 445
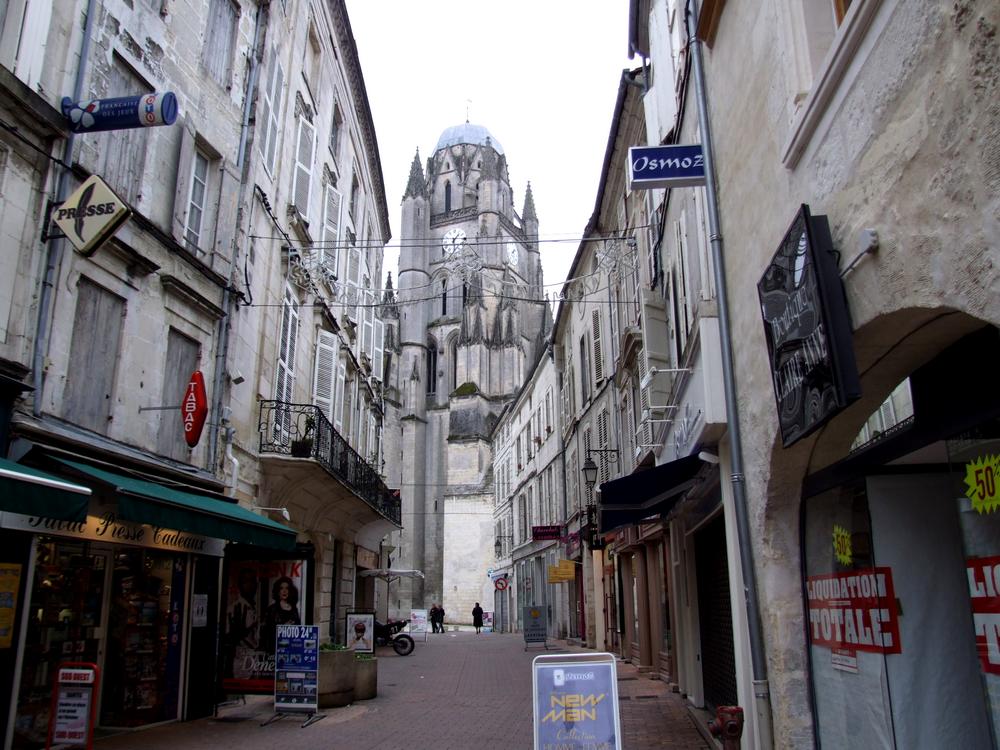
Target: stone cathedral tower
x: 472, y: 320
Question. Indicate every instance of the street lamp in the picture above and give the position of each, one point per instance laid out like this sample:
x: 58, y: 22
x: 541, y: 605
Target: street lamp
x: 589, y: 468
x: 498, y: 545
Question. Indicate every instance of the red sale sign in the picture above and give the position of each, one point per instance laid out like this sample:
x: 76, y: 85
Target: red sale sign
x: 194, y: 408
x: 984, y: 594
x: 854, y: 611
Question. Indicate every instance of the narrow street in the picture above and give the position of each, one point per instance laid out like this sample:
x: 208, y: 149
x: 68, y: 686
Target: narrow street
x: 457, y: 690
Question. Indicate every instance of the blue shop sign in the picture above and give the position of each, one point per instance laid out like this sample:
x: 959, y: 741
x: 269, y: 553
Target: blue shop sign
x: 666, y: 166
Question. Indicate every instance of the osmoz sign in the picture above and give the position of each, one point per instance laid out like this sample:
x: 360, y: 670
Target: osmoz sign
x: 666, y: 166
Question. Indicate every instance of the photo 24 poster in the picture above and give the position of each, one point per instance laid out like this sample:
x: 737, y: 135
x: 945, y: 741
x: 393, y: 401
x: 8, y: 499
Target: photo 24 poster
x: 260, y: 596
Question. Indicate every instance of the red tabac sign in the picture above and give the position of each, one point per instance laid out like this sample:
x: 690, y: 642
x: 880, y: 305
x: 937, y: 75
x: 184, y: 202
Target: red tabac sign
x: 194, y: 408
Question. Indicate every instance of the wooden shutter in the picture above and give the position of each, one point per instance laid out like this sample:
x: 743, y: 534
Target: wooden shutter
x: 324, y: 371
x: 367, y: 314
x: 598, y: 354
x: 329, y: 254
x: 304, y: 147
x: 181, y: 361
x: 284, y: 371
x: 378, y: 348
x: 217, y: 50
x: 93, y: 357
x: 603, y: 420
x: 271, y: 106
x: 339, y: 395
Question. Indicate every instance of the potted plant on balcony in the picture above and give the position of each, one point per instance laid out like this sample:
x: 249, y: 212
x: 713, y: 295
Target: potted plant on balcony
x: 302, y: 446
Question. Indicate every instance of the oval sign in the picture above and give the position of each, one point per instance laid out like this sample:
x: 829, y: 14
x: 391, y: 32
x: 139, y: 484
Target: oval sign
x: 194, y: 408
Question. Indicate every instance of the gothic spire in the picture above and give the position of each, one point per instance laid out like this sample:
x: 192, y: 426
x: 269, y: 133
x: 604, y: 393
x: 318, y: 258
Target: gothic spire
x: 529, y: 205
x: 416, y: 187
x: 389, y: 306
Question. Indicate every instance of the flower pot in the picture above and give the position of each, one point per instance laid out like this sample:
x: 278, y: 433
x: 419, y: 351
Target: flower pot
x: 365, y: 679
x: 302, y: 448
x: 336, y: 678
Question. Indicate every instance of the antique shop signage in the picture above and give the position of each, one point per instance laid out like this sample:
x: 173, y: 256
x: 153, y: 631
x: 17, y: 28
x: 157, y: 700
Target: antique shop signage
x: 807, y: 329
x: 107, y: 527
x: 666, y: 166
x: 575, y: 702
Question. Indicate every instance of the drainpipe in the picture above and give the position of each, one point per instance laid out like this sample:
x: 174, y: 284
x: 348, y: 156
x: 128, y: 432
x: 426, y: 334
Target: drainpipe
x: 227, y: 303
x: 761, y: 689
x: 53, y: 259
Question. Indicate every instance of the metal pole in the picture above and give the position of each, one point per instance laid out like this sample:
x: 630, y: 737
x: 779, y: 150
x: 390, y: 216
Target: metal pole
x: 758, y: 659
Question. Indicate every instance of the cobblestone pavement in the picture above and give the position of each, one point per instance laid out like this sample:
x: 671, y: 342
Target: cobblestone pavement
x: 456, y: 691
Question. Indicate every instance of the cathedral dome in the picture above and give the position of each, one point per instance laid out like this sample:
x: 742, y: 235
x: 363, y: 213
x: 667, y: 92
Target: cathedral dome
x: 467, y: 133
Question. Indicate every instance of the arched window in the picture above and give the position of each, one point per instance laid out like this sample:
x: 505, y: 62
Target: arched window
x: 447, y: 196
x: 432, y: 365
x: 465, y: 294
x: 444, y: 297
x: 453, y: 354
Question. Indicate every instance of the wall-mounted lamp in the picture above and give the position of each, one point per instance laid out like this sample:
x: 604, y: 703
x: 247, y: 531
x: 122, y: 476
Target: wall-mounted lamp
x: 498, y: 544
x: 589, y: 468
x: 709, y: 458
x: 284, y: 511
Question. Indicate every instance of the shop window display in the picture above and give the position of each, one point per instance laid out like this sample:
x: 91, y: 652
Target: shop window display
x: 64, y: 620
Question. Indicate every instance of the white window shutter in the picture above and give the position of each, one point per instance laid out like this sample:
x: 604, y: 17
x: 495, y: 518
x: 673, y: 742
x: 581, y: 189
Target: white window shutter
x: 340, y: 389
x: 329, y: 255
x: 378, y: 362
x: 598, y: 354
x: 323, y: 376
x: 304, y: 147
x: 367, y: 315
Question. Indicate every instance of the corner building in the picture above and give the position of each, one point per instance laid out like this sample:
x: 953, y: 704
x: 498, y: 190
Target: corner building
x: 472, y: 318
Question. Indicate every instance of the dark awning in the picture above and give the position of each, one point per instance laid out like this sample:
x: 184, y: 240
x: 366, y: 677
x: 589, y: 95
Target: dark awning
x: 647, y: 493
x: 34, y: 493
x: 169, y: 508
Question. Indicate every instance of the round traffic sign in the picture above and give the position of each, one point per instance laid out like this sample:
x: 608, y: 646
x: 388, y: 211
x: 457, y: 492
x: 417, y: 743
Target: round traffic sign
x: 500, y: 584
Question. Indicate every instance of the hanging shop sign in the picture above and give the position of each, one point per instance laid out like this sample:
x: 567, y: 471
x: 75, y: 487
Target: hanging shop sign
x: 666, y: 166
x: 851, y: 612
x: 808, y: 332
x: 984, y: 593
x: 122, y: 113
x: 91, y: 215
x: 107, y: 527
x: 546, y: 533
x: 575, y: 702
x: 194, y: 408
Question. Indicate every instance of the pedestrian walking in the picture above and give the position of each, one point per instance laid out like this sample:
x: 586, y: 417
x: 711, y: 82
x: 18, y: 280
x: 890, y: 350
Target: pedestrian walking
x: 477, y: 617
x: 440, y: 618
x: 434, y: 618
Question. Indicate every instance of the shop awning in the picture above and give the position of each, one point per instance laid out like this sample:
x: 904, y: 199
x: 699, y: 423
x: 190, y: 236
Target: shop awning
x: 646, y: 493
x: 34, y: 493
x: 169, y: 508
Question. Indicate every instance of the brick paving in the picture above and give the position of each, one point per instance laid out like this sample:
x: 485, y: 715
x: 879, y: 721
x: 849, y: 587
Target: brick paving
x: 456, y: 691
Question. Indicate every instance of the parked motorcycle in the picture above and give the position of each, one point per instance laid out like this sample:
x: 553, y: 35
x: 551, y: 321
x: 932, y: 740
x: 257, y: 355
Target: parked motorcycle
x: 391, y: 633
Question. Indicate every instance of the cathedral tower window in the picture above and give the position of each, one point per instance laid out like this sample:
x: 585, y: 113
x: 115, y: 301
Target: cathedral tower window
x: 444, y: 297
x: 453, y: 353
x: 447, y: 196
x: 432, y: 358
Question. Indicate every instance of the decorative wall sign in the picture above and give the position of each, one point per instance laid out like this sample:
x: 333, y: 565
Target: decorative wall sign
x: 122, y: 113
x: 194, y: 408
x: 91, y: 215
x: 807, y: 329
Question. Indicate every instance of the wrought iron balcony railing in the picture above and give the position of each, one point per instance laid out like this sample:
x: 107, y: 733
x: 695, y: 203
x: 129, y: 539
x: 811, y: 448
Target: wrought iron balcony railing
x: 302, y: 430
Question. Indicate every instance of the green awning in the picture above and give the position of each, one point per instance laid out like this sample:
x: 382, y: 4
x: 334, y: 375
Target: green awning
x: 34, y: 493
x: 169, y: 508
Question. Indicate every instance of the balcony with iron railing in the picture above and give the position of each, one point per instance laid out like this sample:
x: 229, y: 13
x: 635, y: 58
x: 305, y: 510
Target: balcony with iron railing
x: 303, y: 431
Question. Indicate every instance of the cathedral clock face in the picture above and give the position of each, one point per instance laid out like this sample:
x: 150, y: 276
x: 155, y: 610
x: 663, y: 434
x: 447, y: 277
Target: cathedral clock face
x: 512, y: 253
x: 452, y: 241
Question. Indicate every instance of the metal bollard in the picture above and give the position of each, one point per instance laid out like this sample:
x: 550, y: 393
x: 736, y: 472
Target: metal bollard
x: 728, y: 725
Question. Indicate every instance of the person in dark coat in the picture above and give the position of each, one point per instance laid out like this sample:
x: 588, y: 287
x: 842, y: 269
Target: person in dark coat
x: 435, y: 628
x: 477, y: 617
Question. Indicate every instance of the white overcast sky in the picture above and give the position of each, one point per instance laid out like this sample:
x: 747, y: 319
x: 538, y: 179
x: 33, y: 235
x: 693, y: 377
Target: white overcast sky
x: 541, y: 75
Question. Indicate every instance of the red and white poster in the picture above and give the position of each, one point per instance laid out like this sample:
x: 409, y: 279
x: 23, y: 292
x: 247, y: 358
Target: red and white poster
x: 851, y: 612
x: 984, y: 594
x: 260, y: 595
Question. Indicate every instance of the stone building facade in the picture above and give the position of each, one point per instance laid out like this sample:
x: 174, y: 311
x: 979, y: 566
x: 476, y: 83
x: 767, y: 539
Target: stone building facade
x: 471, y: 320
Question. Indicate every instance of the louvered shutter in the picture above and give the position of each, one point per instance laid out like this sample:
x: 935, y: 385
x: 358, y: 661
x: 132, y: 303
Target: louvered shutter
x: 629, y: 423
x: 284, y: 380
x: 304, y: 148
x: 602, y: 437
x: 323, y: 376
x: 329, y: 254
x: 270, y: 122
x: 339, y: 395
x: 644, y: 435
x: 598, y: 354
x: 368, y: 322
x: 353, y: 282
x: 378, y: 349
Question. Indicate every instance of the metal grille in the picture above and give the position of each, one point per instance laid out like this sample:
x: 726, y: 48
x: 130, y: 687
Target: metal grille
x: 718, y: 661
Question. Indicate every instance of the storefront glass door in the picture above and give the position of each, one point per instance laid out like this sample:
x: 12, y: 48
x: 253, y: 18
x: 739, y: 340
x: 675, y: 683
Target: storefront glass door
x: 142, y: 674
x: 65, y: 622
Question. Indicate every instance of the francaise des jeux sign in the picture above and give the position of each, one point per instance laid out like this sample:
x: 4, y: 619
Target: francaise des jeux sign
x: 807, y: 329
x: 666, y: 166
